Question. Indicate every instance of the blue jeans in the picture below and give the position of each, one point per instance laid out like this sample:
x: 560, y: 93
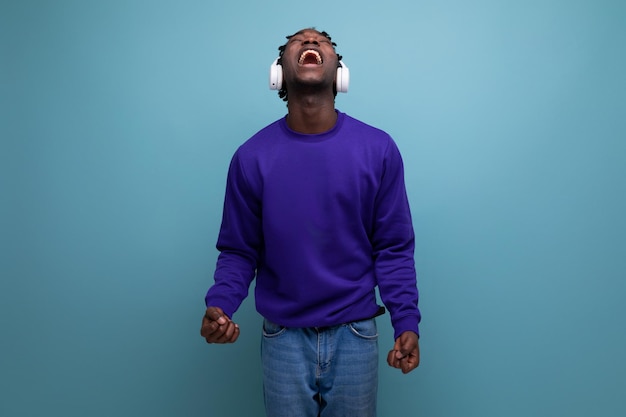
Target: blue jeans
x: 320, y: 372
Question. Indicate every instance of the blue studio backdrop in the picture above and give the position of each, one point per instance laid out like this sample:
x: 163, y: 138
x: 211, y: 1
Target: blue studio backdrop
x: 119, y: 118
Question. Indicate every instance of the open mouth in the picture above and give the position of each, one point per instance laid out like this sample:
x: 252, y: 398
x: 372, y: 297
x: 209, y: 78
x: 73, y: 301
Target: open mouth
x: 310, y: 56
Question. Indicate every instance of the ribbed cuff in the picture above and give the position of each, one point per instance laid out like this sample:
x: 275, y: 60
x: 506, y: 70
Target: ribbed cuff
x: 406, y: 323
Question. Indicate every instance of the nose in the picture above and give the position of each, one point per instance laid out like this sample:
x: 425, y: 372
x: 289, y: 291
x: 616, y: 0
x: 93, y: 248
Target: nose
x: 311, y: 41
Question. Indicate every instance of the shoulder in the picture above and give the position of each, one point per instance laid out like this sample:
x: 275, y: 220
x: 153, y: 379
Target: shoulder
x: 367, y: 135
x: 261, y: 140
x: 269, y: 132
x: 362, y: 127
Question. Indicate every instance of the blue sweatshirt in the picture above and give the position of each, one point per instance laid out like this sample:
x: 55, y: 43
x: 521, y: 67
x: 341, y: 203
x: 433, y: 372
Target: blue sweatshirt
x: 320, y: 220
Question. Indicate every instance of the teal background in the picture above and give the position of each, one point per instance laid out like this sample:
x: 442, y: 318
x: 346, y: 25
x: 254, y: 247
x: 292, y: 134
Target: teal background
x: 119, y: 118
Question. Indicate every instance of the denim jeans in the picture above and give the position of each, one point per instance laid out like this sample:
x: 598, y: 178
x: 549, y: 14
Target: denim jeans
x: 320, y: 372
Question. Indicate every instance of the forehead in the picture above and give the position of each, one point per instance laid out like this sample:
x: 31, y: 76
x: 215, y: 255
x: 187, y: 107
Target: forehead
x: 308, y: 32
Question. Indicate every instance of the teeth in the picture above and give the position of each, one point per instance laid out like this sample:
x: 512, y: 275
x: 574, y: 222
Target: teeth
x: 318, y: 57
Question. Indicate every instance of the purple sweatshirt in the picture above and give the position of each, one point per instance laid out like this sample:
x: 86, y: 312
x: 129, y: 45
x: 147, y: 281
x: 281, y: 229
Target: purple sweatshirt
x: 321, y: 220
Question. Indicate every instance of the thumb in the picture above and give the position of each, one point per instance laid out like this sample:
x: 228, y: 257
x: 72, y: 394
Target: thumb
x: 400, y: 350
x: 216, y: 314
x: 404, y: 345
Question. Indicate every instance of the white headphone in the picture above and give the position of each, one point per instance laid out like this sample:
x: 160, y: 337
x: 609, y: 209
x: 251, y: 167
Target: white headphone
x: 276, y: 77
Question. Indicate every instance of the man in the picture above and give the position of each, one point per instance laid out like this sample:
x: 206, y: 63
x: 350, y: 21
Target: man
x: 316, y: 209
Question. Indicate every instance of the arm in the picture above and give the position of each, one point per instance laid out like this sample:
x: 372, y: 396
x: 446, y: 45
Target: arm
x: 393, y: 241
x: 239, y: 244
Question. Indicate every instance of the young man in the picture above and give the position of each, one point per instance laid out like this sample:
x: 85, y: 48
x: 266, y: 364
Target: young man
x: 316, y: 209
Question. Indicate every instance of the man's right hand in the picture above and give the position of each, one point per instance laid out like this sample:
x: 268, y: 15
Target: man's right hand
x: 217, y: 327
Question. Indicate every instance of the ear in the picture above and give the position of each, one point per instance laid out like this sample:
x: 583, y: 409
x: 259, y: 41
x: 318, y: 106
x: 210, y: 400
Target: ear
x: 343, y: 78
x: 276, y: 75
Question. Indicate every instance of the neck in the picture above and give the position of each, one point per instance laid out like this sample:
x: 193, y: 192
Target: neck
x: 311, y: 114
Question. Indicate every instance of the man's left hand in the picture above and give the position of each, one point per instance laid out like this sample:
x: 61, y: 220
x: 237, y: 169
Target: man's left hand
x: 406, y: 352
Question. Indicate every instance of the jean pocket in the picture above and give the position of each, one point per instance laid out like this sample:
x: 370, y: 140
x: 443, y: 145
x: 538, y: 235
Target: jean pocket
x: 271, y: 329
x: 365, y: 329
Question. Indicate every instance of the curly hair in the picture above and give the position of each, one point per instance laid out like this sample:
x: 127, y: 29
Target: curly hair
x: 282, y: 93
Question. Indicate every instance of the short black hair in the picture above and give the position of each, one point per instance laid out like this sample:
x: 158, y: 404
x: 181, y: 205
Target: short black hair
x: 282, y: 93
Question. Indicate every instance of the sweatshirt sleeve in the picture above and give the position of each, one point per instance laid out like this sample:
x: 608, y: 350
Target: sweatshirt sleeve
x: 239, y: 242
x: 393, y: 242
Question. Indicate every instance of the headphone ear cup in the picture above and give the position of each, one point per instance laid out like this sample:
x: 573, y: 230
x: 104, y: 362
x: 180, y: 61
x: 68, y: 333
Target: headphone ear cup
x: 343, y: 78
x: 276, y: 75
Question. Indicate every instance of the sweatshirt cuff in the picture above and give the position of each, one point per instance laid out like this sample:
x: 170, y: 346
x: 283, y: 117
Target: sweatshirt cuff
x: 406, y: 323
x: 222, y: 303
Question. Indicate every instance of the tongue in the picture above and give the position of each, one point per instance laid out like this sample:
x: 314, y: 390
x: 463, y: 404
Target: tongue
x: 309, y: 59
